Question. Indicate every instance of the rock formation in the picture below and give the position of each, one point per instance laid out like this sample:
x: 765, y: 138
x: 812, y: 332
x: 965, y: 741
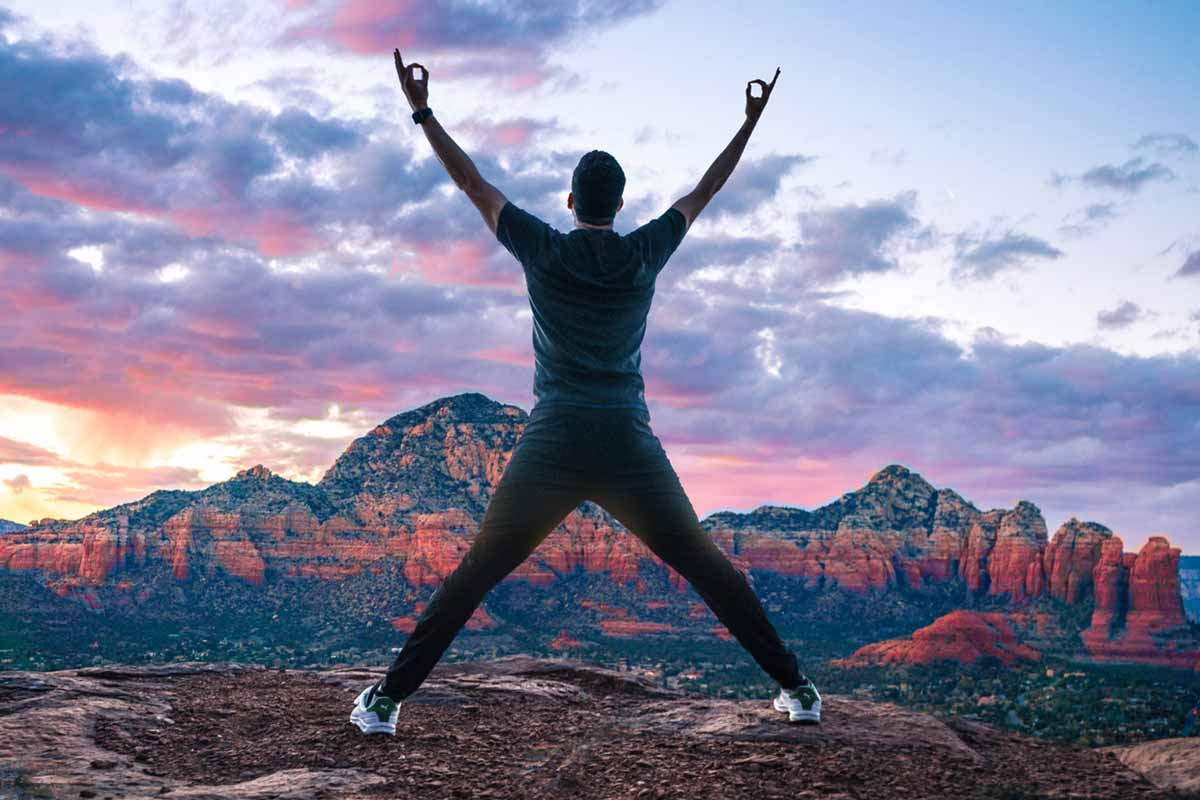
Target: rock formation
x: 1138, y: 612
x: 512, y: 728
x: 1169, y: 763
x: 412, y: 491
x: 963, y: 636
x: 8, y: 526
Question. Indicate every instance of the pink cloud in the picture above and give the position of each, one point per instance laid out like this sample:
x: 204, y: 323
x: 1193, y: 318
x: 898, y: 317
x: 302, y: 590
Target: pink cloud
x: 504, y: 354
x: 463, y: 262
x: 66, y: 188
x: 723, y: 483
x: 365, y: 26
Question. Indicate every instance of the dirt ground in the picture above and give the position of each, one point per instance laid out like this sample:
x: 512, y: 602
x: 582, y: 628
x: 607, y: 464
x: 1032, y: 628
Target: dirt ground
x: 536, y: 729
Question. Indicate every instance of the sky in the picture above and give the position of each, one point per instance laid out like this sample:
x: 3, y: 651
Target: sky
x: 961, y: 239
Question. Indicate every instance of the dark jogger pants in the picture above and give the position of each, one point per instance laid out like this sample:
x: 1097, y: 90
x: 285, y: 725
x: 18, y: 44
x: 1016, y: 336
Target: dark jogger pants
x: 612, y: 457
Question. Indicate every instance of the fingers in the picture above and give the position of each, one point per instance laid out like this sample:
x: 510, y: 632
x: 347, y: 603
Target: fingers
x: 767, y: 87
x: 399, y: 67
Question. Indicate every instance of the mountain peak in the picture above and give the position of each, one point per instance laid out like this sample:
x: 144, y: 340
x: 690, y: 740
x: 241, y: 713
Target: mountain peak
x: 257, y: 471
x: 453, y: 448
x: 463, y: 404
x: 896, y: 472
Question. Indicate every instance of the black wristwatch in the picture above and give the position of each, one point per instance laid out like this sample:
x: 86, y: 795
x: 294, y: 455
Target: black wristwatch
x: 422, y: 114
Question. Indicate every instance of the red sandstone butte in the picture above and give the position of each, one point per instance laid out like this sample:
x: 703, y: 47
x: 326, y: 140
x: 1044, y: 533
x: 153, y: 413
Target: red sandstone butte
x: 963, y: 636
x: 1015, y: 564
x: 1071, y: 558
x: 1138, y: 614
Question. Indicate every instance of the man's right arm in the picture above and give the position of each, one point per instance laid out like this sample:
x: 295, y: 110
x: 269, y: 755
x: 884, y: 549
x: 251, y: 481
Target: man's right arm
x: 692, y: 203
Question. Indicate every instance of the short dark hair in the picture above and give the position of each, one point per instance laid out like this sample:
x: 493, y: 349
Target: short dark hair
x: 597, y: 185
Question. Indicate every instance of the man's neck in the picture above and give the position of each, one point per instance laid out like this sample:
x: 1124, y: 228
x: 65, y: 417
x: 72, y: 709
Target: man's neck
x: 585, y: 226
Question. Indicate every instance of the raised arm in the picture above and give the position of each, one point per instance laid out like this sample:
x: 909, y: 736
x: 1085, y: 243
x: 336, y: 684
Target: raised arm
x: 692, y: 203
x: 487, y: 198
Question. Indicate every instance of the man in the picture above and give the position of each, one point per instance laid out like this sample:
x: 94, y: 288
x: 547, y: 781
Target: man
x: 588, y: 435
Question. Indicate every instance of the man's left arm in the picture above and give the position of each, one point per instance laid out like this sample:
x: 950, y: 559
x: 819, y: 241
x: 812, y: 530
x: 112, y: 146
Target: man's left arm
x: 487, y: 198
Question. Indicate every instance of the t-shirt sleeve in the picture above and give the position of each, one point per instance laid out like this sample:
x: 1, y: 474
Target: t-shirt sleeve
x: 523, y: 234
x: 661, y: 236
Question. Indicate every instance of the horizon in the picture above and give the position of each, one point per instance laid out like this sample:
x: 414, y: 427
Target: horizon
x: 962, y: 240
x: 1050, y: 526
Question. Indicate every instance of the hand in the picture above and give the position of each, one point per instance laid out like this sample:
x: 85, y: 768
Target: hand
x: 417, y: 91
x: 755, y: 105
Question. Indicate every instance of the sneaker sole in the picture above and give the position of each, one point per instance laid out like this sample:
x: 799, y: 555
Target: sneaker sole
x: 372, y: 727
x: 812, y: 717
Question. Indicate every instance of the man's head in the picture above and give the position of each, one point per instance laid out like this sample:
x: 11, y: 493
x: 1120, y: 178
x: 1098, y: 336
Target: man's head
x: 596, y: 188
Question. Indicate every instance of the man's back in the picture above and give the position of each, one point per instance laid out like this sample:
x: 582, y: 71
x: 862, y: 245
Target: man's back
x: 590, y: 292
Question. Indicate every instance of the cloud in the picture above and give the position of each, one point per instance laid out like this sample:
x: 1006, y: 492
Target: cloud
x: 109, y: 484
x: 455, y: 39
x: 1122, y: 316
x: 1129, y: 177
x: 842, y: 241
x: 752, y: 184
x: 1088, y: 219
x: 1191, y: 266
x: 18, y: 484
x: 206, y: 168
x: 1167, y: 143
x: 980, y: 258
x: 15, y: 452
x: 719, y: 251
x: 853, y: 386
x: 519, y: 133
x: 301, y: 134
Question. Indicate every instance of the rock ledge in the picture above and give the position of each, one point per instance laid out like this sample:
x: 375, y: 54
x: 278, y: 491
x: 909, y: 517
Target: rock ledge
x: 513, y: 727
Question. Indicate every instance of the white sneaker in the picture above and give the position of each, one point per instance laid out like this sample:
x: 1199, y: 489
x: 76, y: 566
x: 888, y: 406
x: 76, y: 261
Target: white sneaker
x: 802, y: 704
x: 375, y: 712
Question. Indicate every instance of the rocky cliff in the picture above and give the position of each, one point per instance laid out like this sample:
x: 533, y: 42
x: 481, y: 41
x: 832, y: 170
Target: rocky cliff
x: 511, y: 728
x: 395, y: 513
x: 7, y: 526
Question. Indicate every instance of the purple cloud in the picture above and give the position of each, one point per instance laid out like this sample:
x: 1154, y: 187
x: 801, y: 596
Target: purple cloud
x: 983, y: 258
x: 1122, y: 316
x: 1168, y: 143
x: 1088, y: 219
x: 841, y: 241
x: 1128, y: 177
x: 1191, y: 266
x: 454, y: 39
x: 753, y: 184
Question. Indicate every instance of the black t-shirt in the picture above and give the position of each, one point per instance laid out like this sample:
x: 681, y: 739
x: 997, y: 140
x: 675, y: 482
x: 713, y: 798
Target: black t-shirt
x: 590, y: 292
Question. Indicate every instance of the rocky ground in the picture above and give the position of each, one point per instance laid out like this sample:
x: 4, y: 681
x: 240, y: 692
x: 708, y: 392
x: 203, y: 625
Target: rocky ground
x: 516, y: 727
